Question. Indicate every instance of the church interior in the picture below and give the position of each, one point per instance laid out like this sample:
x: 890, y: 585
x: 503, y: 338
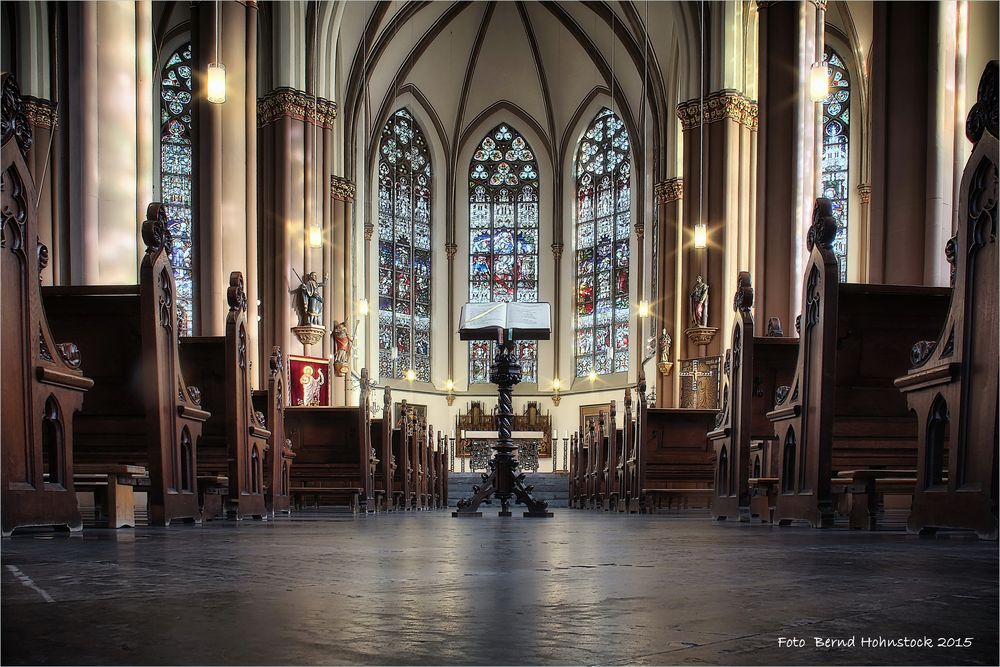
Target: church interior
x: 521, y: 332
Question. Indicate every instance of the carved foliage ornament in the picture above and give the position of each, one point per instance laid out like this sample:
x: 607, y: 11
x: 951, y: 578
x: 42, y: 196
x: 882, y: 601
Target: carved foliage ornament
x: 14, y: 211
x: 295, y: 104
x: 823, y: 230
x: 983, y: 114
x: 276, y: 362
x: 236, y: 295
x: 342, y: 189
x: 719, y: 106
x: 670, y: 190
x: 743, y: 299
x: 155, y: 234
x: 13, y: 120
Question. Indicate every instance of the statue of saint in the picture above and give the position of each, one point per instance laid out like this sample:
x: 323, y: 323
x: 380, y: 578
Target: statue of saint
x: 309, y: 304
x: 699, y: 303
x: 665, y: 341
x: 342, y: 343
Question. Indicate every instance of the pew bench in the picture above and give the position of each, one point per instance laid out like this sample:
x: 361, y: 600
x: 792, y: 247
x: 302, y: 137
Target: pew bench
x: 867, y: 489
x: 113, y: 487
x: 336, y: 484
x: 677, y: 499
x: 212, y: 493
x: 763, y: 497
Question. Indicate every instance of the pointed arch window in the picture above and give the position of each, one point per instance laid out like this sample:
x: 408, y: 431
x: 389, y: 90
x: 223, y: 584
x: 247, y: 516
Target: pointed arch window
x: 176, y: 176
x: 836, y: 149
x: 404, y: 249
x: 603, y: 224
x: 503, y: 237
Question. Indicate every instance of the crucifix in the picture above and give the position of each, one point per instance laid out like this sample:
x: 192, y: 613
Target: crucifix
x: 700, y: 383
x: 505, y: 323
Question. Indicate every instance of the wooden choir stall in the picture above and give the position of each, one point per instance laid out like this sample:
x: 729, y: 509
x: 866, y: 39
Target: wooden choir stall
x: 43, y: 385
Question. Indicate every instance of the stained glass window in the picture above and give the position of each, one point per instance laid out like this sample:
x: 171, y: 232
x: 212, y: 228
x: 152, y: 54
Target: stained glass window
x: 176, y: 182
x: 404, y: 249
x: 836, y: 149
x: 603, y: 221
x: 503, y: 237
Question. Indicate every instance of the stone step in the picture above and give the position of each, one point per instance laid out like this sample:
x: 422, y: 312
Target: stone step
x: 550, y: 487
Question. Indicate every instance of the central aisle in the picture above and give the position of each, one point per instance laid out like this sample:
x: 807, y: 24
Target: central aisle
x: 424, y: 588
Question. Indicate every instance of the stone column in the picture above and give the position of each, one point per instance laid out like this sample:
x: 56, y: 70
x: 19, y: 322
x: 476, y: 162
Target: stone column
x: 224, y: 171
x: 557, y: 253
x: 286, y: 118
x: 668, y: 311
x: 786, y: 158
x: 342, y: 193
x: 450, y: 249
x: 730, y: 126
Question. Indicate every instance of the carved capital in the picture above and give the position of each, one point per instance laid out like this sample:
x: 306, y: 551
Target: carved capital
x: 40, y: 113
x: 719, y: 106
x: 820, y: 4
x: 369, y: 231
x: 295, y: 104
x: 342, y: 188
x: 557, y: 250
x: 450, y: 249
x: 864, y: 193
x: 670, y: 190
x: 640, y: 229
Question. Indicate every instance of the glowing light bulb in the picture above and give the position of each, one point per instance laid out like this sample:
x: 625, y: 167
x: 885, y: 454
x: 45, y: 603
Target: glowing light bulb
x: 593, y: 376
x: 216, y: 83
x: 363, y: 307
x: 315, y: 236
x: 556, y: 384
x: 411, y: 375
x: 701, y: 236
x: 819, y: 82
x: 449, y: 385
x: 644, y: 308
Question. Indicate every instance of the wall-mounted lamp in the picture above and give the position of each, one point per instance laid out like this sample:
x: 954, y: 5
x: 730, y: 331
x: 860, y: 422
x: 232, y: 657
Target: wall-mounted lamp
x: 450, y: 386
x: 819, y: 82
x: 701, y: 236
x: 411, y: 375
x: 644, y: 308
x: 363, y: 308
x: 315, y: 236
x: 556, y: 387
x: 592, y: 376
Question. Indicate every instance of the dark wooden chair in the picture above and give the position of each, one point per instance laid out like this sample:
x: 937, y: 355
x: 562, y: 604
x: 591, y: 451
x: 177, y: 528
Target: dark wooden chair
x: 141, y: 411
x: 233, y: 442
x: 43, y: 385
x: 755, y: 366
x: 841, y: 411
x: 952, y: 386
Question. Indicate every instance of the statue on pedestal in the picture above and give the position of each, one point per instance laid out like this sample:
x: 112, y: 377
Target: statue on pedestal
x: 699, y: 303
x: 343, y: 344
x: 309, y: 308
x: 664, y: 364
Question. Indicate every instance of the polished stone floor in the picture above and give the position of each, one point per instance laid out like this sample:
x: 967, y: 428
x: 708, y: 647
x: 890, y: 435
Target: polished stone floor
x: 424, y: 588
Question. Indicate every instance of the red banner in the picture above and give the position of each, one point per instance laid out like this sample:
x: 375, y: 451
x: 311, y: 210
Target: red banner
x: 309, y: 380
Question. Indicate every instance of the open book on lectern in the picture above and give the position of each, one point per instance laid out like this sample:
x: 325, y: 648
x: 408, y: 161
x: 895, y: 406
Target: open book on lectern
x: 488, y: 321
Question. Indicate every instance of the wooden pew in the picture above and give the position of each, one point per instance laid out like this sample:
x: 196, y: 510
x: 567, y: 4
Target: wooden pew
x: 633, y: 487
x: 755, y: 366
x: 952, y: 386
x: 279, y: 456
x: 333, y: 453
x: 627, y: 445
x: 402, y: 437
x: 381, y: 433
x: 842, y: 411
x: 574, y: 469
x: 612, y: 447
x: 43, y: 385
x: 596, y: 461
x: 233, y: 441
x: 141, y: 410
x: 675, y: 459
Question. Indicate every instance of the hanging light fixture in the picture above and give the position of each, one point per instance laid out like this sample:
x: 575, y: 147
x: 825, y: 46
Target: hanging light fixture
x: 644, y: 308
x: 316, y: 226
x: 216, y: 70
x: 700, y: 228
x: 819, y: 82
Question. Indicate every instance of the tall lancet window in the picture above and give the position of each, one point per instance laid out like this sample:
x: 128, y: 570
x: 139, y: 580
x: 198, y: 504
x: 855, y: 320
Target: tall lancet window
x: 404, y: 250
x: 836, y: 149
x: 176, y: 182
x: 503, y: 237
x: 603, y: 223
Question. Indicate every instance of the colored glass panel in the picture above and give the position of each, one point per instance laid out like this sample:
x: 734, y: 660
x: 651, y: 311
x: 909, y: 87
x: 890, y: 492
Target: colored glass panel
x: 836, y: 149
x: 603, y: 221
x: 404, y: 252
x: 503, y: 237
x: 176, y: 177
